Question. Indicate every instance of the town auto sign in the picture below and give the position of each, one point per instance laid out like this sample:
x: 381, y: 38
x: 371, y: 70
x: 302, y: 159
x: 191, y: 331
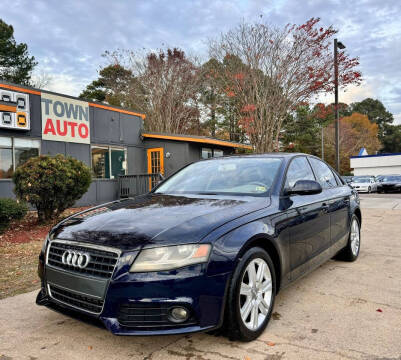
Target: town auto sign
x: 65, y: 119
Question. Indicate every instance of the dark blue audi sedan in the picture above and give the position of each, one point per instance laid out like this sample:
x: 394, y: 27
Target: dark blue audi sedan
x: 208, y: 248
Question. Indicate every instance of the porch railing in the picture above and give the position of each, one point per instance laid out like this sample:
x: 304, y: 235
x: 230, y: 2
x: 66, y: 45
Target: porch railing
x: 138, y: 184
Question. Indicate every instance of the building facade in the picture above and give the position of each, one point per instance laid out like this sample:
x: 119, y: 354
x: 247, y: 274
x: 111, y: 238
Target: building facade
x: 108, y: 139
x: 381, y: 164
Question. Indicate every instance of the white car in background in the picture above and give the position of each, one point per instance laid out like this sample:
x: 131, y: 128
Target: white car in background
x: 364, y: 183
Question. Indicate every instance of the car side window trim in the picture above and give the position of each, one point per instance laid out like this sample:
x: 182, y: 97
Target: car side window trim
x: 337, y: 177
x: 339, y: 181
x: 288, y: 166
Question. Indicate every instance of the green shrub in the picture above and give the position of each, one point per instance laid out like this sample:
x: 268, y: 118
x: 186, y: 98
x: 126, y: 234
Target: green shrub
x: 11, y: 210
x: 51, y: 183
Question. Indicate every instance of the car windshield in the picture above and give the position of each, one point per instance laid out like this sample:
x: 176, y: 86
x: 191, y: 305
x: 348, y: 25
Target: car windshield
x: 391, y: 178
x: 362, y: 180
x: 237, y: 176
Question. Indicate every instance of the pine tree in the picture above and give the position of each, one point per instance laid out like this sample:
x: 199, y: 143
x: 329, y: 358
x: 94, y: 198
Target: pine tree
x: 15, y: 63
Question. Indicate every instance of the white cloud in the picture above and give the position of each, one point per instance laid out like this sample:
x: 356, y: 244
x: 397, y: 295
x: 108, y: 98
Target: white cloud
x: 66, y: 84
x: 397, y: 118
x: 352, y: 94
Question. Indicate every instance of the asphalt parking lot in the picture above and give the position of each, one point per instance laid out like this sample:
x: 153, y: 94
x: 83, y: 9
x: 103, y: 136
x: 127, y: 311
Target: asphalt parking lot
x: 340, y: 311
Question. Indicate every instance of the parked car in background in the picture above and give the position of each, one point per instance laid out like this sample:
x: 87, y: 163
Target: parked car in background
x: 364, y: 184
x: 389, y: 183
x: 211, y: 245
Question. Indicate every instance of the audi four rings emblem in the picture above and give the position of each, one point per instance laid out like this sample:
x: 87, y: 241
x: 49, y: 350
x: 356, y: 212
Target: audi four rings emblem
x: 76, y: 258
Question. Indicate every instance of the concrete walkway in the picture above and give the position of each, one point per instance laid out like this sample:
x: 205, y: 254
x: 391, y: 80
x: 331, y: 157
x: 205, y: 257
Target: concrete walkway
x: 381, y: 201
x: 340, y: 311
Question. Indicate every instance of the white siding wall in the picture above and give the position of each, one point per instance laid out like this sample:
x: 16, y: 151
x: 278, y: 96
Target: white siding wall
x: 376, y: 165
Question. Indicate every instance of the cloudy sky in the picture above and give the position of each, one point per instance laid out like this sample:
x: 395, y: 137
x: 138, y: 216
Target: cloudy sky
x: 68, y: 37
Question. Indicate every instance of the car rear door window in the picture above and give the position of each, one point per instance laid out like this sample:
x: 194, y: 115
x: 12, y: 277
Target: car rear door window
x: 299, y: 169
x: 323, y: 173
x: 340, y: 182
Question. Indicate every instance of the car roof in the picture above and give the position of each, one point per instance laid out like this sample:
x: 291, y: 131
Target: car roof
x: 264, y: 155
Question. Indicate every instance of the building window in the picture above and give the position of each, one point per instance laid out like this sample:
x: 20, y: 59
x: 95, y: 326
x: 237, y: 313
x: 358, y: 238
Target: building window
x: 100, y: 163
x: 15, y: 152
x: 118, y: 161
x: 24, y: 149
x: 108, y: 162
x: 217, y: 153
x: 6, y: 158
x: 207, y: 153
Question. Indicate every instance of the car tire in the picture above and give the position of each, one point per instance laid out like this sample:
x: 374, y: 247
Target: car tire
x: 244, y: 296
x: 351, y: 250
x: 369, y: 190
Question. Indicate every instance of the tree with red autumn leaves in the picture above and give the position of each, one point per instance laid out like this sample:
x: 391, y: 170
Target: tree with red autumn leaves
x: 276, y: 70
x: 256, y: 76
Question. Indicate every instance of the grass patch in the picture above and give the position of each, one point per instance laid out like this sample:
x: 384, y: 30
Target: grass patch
x: 19, y: 263
x: 20, y: 246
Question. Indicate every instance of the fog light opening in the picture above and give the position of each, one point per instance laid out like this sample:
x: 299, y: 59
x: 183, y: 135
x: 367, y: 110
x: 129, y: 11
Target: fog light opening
x: 178, y: 314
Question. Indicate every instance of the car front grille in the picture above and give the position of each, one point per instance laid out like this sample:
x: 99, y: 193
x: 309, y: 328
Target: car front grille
x: 82, y: 302
x: 101, y: 264
x: 149, y: 315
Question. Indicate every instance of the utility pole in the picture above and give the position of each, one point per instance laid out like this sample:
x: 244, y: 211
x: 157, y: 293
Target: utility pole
x: 322, y: 143
x: 337, y: 45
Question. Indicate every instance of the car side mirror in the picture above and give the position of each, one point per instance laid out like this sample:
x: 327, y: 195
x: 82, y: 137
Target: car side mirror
x: 305, y: 187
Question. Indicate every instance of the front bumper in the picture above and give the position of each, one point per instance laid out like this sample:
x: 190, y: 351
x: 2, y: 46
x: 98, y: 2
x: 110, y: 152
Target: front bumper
x: 137, y: 303
x: 362, y: 189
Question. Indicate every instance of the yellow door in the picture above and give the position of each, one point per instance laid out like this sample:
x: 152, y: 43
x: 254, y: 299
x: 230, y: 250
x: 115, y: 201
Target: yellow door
x: 155, y: 164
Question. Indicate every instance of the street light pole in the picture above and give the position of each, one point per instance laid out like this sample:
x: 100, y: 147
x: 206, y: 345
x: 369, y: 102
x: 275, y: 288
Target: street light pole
x: 340, y: 45
x: 322, y: 143
x: 336, y: 107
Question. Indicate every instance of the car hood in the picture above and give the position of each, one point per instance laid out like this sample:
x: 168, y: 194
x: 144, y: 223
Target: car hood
x: 155, y: 219
x: 392, y: 183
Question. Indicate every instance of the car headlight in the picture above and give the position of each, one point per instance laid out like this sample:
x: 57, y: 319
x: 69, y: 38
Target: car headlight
x: 171, y: 257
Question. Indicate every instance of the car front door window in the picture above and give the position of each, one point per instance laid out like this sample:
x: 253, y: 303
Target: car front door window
x: 299, y: 169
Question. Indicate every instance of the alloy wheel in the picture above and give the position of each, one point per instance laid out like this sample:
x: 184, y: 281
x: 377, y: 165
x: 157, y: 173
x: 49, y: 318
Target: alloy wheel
x: 255, y: 294
x: 355, y: 237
